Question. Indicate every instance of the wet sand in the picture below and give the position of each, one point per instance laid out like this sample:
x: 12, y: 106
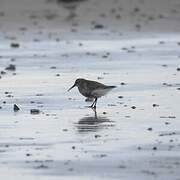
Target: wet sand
x: 135, y: 131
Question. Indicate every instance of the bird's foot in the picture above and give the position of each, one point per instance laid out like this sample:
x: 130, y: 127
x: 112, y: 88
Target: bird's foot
x: 93, y: 107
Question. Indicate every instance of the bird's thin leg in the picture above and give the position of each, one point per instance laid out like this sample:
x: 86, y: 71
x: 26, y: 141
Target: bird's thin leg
x: 95, y: 102
x: 92, y: 105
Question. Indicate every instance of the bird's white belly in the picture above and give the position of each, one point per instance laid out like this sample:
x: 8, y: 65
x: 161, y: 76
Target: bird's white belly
x: 100, y: 92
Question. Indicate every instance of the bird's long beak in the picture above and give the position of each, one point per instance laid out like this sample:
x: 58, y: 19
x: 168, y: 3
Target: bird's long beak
x: 71, y: 87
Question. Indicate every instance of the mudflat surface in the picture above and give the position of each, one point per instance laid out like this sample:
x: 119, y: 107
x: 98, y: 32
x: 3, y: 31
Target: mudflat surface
x: 44, y: 47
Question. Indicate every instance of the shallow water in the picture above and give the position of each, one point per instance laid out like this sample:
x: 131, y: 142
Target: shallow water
x: 133, y: 135
x: 67, y: 139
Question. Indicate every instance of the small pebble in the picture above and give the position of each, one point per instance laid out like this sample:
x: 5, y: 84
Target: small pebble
x: 34, y: 111
x: 120, y: 97
x: 97, y: 136
x: 15, y: 45
x: 149, y: 129
x: 11, y: 67
x: 3, y: 72
x: 28, y: 154
x: 16, y: 108
x: 53, y: 67
x: 98, y: 26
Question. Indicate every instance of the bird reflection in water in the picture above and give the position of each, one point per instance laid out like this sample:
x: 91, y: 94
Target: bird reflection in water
x: 71, y: 6
x: 93, y: 123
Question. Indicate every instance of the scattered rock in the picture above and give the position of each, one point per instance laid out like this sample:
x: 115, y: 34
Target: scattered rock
x: 149, y: 129
x: 39, y: 94
x: 122, y: 83
x: 2, y: 13
x: 34, y: 111
x: 136, y: 9
x: 16, y: 108
x: 6, y: 92
x: 3, y: 72
x: 28, y: 154
x: 102, y: 155
x: 167, y: 134
x: 120, y: 97
x: 97, y: 136
x: 71, y: 169
x: 15, y: 45
x: 98, y: 26
x: 11, y: 67
x: 161, y: 42
x: 133, y: 107
x: 122, y: 167
x: 170, y: 117
x: 154, y: 148
x: 53, y: 67
x: 155, y: 105
x: 138, y: 26
x: 9, y: 96
x: 42, y: 166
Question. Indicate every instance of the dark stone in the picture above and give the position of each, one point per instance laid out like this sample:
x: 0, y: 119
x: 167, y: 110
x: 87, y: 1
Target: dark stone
x: 3, y: 72
x: 98, y: 26
x: 122, y: 83
x: 16, y: 108
x: 149, y: 129
x: 28, y: 154
x: 97, y: 136
x: 11, y: 67
x: 120, y: 97
x: 34, y: 111
x: 15, y: 45
x: 133, y: 107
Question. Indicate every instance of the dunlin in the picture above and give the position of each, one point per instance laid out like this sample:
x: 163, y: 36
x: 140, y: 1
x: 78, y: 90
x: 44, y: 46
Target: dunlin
x: 91, y: 89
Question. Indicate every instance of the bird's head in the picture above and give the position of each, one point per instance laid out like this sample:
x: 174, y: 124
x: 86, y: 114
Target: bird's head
x: 77, y: 83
